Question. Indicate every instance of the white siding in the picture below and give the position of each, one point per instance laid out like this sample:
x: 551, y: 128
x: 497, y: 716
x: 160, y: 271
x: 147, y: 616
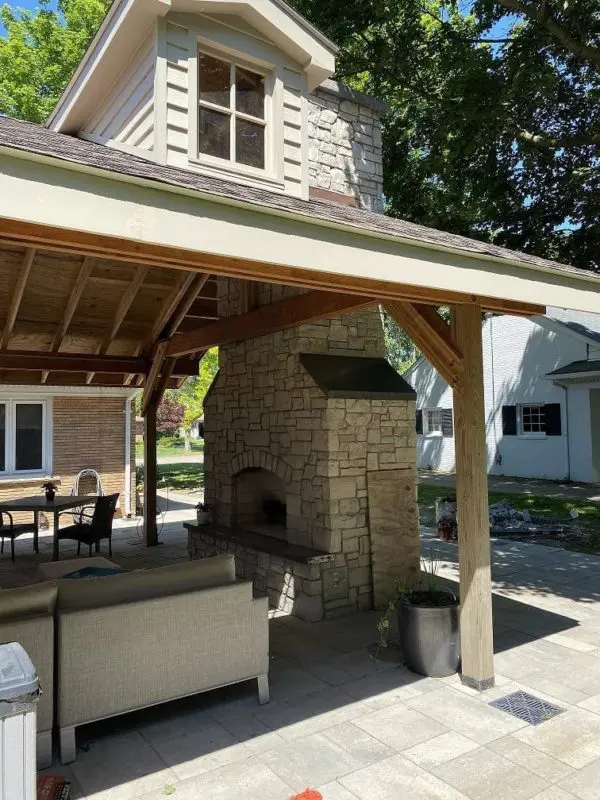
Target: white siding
x: 126, y: 116
x: 177, y: 54
x: 518, y: 353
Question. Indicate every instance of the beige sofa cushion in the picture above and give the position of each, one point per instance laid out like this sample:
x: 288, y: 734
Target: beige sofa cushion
x: 37, y: 600
x: 112, y: 590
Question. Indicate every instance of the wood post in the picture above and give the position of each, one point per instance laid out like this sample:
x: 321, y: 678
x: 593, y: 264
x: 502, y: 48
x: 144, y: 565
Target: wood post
x: 477, y: 642
x: 150, y: 475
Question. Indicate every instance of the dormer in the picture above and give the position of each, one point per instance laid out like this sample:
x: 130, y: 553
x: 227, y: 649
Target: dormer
x: 211, y: 85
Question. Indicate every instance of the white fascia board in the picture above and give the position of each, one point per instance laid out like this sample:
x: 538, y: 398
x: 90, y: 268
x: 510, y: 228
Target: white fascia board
x: 24, y: 391
x: 44, y: 191
x: 124, y: 27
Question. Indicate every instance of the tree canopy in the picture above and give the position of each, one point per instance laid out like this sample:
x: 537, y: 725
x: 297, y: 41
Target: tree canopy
x: 494, y: 122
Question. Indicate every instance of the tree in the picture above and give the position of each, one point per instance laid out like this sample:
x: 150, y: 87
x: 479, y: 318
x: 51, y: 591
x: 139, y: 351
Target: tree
x: 169, y: 416
x: 494, y: 122
x: 192, y: 393
x: 40, y: 51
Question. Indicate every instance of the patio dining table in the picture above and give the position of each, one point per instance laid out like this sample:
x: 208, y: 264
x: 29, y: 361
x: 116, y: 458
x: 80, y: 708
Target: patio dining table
x: 38, y: 504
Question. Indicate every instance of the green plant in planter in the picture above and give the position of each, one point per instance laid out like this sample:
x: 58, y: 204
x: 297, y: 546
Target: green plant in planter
x: 427, y: 623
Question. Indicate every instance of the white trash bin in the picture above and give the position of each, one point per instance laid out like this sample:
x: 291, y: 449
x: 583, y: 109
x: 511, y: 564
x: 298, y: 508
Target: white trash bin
x: 19, y: 691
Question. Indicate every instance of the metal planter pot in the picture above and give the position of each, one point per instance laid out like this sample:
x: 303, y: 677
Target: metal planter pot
x: 430, y: 637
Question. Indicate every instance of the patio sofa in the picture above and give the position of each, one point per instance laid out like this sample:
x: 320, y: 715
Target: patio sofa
x: 125, y: 642
x: 27, y: 616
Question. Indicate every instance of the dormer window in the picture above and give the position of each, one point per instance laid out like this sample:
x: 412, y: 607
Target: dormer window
x: 231, y: 112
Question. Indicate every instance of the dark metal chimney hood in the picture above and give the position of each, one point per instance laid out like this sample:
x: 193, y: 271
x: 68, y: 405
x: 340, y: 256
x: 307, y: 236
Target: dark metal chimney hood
x: 356, y: 378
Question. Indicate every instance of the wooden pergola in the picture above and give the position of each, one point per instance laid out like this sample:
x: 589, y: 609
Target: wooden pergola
x: 110, y: 283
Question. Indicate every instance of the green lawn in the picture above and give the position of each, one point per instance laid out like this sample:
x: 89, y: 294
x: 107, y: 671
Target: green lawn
x: 182, y: 477
x: 171, y: 447
x: 586, y: 539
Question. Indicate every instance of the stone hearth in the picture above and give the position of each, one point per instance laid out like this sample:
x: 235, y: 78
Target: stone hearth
x: 316, y: 452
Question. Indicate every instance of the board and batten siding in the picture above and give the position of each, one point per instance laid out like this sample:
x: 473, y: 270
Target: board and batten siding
x: 126, y: 117
x: 517, y: 355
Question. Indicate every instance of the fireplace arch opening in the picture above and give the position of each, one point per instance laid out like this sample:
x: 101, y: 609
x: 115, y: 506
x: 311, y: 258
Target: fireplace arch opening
x: 259, y: 501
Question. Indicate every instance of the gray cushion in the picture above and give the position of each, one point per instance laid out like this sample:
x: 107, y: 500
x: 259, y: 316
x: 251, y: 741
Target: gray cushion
x: 134, y: 586
x: 29, y: 601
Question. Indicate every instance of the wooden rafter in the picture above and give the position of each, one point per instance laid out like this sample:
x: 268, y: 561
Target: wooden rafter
x: 78, y: 242
x: 279, y: 316
x: 17, y: 295
x: 124, y: 305
x: 70, y: 308
x: 162, y: 365
x: 33, y: 361
x: 431, y: 335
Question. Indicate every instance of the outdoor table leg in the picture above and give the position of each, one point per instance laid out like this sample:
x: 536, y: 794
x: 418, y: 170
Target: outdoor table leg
x: 55, y: 537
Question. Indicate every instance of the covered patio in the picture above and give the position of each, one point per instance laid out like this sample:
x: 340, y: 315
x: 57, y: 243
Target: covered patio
x: 151, y: 241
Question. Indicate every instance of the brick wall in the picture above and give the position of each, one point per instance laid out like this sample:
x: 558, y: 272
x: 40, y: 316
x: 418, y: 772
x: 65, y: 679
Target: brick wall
x: 89, y: 433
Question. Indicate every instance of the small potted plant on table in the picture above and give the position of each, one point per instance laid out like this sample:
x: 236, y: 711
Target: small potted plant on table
x: 428, y: 624
x: 203, y: 514
x: 50, y: 489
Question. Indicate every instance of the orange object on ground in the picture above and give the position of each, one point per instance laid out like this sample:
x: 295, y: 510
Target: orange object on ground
x: 309, y: 794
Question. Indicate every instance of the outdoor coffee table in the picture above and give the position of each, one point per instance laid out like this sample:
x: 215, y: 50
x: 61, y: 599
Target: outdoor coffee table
x: 54, y: 570
x: 38, y: 504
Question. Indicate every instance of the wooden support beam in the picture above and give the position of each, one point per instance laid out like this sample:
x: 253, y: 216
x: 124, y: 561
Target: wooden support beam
x: 476, y: 634
x: 431, y: 335
x: 33, y: 361
x: 78, y: 242
x: 158, y: 358
x: 125, y: 302
x: 184, y: 306
x: 72, y: 303
x: 280, y: 316
x: 17, y: 296
x: 150, y: 476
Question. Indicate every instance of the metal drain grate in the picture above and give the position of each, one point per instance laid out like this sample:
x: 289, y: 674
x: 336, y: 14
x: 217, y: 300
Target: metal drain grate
x: 527, y: 707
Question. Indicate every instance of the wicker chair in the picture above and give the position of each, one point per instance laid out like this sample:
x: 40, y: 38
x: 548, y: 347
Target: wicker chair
x: 99, y: 526
x: 12, y: 532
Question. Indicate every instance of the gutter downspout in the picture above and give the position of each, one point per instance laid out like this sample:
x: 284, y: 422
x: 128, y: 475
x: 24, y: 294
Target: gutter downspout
x: 567, y: 438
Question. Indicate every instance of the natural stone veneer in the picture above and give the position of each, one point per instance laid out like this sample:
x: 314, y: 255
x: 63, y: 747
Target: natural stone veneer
x: 344, y: 144
x: 265, y: 410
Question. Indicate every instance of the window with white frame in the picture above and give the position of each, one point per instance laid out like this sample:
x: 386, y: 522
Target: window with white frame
x: 23, y: 437
x: 432, y: 421
x: 532, y: 419
x: 232, y: 120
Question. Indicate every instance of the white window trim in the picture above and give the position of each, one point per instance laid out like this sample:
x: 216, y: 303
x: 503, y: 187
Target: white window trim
x: 431, y: 434
x: 272, y: 175
x: 10, y: 473
x: 521, y: 434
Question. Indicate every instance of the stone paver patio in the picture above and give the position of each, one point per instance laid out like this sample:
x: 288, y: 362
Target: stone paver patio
x: 359, y: 729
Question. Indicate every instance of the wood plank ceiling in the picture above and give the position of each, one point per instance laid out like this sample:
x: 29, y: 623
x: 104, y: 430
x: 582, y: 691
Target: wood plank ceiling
x: 53, y: 304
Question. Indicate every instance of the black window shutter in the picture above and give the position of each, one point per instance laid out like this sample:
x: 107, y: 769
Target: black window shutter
x: 419, y: 420
x: 552, y: 419
x: 447, y: 424
x: 509, y: 420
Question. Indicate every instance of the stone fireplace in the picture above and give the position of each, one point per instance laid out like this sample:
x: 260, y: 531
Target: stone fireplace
x: 310, y: 462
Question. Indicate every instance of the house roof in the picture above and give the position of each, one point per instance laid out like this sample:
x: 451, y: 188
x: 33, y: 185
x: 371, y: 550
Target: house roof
x: 580, y: 322
x: 128, y: 22
x: 30, y: 138
x: 576, y: 368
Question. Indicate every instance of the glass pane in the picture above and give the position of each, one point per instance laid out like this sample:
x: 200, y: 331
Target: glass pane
x: 250, y: 143
x: 28, y: 436
x: 2, y: 438
x: 249, y: 93
x: 214, y: 133
x: 214, y: 80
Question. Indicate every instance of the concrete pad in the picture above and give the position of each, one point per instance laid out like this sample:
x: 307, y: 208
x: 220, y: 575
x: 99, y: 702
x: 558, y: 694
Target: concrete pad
x: 539, y: 763
x: 466, y: 715
x: 573, y: 737
x: 483, y: 774
x: 400, y: 727
x: 585, y: 783
x: 396, y: 778
x: 439, y: 750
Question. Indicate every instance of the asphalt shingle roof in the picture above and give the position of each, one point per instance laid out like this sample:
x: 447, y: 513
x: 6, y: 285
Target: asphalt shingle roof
x: 576, y: 367
x: 32, y: 138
